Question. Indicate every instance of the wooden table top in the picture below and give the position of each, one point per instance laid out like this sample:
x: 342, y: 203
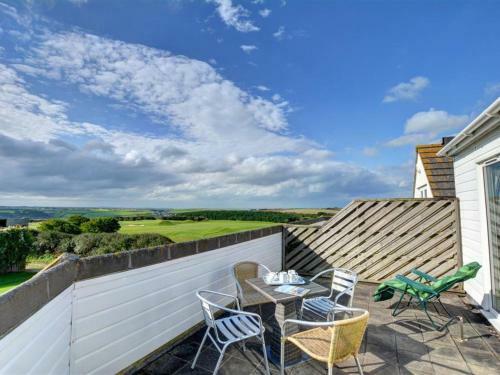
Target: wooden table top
x: 269, y: 290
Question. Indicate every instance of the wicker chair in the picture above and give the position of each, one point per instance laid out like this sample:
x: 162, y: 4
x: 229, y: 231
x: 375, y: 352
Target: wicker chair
x: 242, y: 271
x: 329, y: 342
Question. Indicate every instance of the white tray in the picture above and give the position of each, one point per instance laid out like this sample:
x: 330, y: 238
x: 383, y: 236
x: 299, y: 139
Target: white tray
x: 300, y: 281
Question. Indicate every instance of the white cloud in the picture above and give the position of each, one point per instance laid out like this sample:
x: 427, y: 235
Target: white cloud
x: 492, y: 89
x: 434, y: 121
x: 280, y: 33
x: 218, y: 144
x: 262, y: 88
x: 248, y: 48
x: 370, y: 151
x: 411, y: 139
x: 425, y: 127
x: 265, y: 12
x: 79, y: 2
x: 407, y: 90
x: 24, y: 115
x: 235, y: 16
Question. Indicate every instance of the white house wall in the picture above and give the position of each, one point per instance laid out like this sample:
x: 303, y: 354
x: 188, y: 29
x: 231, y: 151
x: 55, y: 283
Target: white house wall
x: 421, y: 179
x: 41, y: 344
x: 469, y: 186
x: 121, y: 317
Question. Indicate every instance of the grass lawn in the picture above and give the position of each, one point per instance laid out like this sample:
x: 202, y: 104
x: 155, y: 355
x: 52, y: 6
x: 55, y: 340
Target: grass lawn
x: 11, y: 280
x: 181, y: 231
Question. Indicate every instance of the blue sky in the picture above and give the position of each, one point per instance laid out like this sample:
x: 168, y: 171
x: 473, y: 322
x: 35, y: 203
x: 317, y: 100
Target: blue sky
x: 224, y: 103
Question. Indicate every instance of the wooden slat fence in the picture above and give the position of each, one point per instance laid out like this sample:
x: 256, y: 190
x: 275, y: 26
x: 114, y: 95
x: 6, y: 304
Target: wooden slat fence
x: 379, y: 239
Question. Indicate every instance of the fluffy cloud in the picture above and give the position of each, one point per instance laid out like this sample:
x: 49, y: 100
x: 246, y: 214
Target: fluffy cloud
x: 57, y: 168
x: 215, y: 143
x: 235, y: 16
x: 248, y: 48
x: 434, y: 121
x: 265, y: 12
x: 262, y: 88
x: 23, y: 114
x: 424, y: 127
x: 280, y: 33
x: 407, y: 90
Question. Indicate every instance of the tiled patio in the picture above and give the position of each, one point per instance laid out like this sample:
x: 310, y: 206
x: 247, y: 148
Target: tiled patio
x: 401, y: 345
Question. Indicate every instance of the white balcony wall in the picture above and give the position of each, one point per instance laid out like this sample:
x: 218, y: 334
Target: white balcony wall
x: 41, y: 344
x: 121, y: 317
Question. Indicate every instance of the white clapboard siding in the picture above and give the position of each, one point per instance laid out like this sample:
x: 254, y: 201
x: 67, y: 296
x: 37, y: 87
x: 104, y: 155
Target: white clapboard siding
x: 470, y: 191
x: 41, y: 344
x: 121, y: 317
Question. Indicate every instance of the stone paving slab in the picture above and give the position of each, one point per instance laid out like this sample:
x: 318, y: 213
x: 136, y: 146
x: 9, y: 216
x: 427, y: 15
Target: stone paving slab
x: 392, y: 345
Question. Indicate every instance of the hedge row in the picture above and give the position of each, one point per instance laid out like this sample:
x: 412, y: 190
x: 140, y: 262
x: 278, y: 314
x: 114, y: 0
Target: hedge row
x: 248, y: 215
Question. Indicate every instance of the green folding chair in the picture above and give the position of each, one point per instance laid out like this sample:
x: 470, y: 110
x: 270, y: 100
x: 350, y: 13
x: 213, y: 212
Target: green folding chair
x: 427, y: 289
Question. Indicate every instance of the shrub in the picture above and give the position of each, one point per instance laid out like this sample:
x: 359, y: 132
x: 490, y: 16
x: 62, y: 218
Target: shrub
x: 15, y: 245
x: 59, y: 225
x: 53, y: 242
x: 101, y: 225
x: 77, y: 219
x: 88, y: 244
x: 141, y: 241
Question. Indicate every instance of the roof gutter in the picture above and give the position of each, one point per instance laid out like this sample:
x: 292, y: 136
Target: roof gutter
x: 479, y: 126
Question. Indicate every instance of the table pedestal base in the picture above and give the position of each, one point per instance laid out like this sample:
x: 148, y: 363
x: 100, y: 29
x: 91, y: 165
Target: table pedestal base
x: 293, y: 355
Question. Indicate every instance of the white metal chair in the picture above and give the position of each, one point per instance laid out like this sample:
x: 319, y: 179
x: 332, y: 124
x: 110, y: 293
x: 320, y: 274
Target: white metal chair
x: 343, y: 283
x: 242, y: 271
x: 238, y: 327
x: 328, y: 342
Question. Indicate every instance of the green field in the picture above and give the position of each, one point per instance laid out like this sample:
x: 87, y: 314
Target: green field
x: 11, y: 280
x: 180, y: 231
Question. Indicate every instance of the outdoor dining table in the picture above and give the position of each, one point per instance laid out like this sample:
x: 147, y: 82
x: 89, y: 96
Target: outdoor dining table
x: 287, y: 307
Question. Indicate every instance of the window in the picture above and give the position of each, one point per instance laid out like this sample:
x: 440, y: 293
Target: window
x: 492, y: 190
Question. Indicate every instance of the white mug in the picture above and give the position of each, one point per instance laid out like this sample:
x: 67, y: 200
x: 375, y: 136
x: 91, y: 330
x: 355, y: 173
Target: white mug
x: 283, y: 277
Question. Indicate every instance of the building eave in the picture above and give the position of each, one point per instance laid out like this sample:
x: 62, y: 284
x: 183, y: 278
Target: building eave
x: 482, y: 124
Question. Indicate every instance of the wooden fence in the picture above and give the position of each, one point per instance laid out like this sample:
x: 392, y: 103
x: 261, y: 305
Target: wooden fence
x: 380, y: 239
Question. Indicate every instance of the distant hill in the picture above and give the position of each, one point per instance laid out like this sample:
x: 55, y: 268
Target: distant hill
x: 43, y: 213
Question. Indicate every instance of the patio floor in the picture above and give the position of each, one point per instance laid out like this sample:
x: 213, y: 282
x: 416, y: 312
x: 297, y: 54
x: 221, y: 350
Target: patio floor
x: 401, y: 345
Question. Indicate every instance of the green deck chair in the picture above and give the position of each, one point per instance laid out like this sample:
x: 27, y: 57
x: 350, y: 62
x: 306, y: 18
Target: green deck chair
x: 427, y: 289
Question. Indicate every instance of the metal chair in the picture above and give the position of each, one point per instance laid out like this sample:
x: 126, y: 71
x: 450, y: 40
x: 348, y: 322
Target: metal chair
x: 247, y: 296
x: 343, y: 283
x: 235, y: 328
x: 329, y: 342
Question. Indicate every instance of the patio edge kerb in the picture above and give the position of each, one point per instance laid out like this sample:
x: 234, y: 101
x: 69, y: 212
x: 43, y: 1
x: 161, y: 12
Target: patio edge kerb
x: 19, y: 304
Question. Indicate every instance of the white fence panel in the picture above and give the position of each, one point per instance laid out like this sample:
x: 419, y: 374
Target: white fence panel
x: 121, y: 317
x: 41, y: 344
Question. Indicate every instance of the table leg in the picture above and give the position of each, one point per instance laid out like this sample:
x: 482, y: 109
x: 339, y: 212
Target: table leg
x: 287, y: 310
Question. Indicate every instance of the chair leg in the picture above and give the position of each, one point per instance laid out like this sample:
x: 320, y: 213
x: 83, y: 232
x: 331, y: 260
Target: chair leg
x: 199, y: 349
x: 359, y: 365
x: 219, y: 361
x: 265, y: 354
x: 395, y: 312
x: 282, y: 357
x: 330, y: 369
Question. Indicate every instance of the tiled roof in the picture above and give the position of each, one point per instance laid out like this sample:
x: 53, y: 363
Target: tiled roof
x: 439, y: 170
